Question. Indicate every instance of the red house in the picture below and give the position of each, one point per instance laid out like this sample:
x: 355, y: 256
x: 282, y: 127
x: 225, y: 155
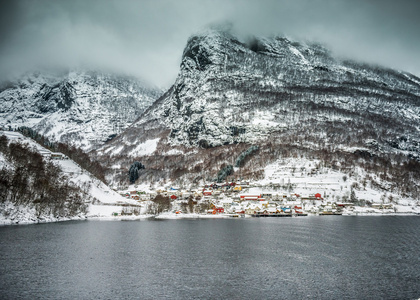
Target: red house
x: 250, y: 197
x: 218, y: 210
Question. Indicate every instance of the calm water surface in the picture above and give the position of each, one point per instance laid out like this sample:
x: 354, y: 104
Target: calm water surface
x: 282, y: 258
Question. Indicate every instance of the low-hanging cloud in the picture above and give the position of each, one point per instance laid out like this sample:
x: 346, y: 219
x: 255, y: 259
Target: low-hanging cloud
x: 146, y: 38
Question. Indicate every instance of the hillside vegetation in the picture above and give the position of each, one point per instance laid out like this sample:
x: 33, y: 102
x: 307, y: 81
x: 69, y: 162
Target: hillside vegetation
x: 28, y: 180
x: 286, y: 98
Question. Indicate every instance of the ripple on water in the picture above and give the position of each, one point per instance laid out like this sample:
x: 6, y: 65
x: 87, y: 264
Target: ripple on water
x: 326, y: 257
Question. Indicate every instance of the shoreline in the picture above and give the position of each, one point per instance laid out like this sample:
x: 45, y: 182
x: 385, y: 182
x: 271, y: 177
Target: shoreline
x: 172, y: 216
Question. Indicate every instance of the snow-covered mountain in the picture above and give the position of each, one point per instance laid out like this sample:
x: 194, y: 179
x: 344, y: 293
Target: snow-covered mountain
x: 229, y: 92
x: 82, y: 108
x: 290, y: 98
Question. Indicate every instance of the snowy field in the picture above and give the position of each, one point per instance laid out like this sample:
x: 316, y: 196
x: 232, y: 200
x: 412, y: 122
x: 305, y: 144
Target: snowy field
x: 306, y: 177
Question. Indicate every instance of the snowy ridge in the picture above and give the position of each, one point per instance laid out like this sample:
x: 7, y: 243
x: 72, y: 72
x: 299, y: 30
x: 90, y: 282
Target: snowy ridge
x: 292, y: 99
x: 225, y: 90
x: 80, y: 108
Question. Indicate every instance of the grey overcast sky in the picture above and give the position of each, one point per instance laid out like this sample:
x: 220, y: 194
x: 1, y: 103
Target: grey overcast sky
x: 146, y: 38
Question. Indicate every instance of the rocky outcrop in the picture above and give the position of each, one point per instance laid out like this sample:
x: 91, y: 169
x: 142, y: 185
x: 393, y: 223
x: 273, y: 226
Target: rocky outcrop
x: 82, y: 108
x: 231, y: 92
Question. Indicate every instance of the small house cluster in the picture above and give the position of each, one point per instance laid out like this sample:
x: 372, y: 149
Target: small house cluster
x: 52, y: 155
x: 234, y: 199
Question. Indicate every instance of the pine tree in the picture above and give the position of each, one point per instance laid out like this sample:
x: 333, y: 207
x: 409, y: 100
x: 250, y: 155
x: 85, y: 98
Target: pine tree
x: 353, y: 197
x: 134, y: 171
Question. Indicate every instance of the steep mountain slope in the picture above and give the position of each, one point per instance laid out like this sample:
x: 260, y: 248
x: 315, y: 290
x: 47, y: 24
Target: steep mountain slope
x: 287, y: 97
x: 35, y: 188
x: 80, y: 108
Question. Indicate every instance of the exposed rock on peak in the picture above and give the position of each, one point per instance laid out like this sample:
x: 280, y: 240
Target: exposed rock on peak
x: 82, y: 108
x: 228, y: 92
x: 276, y: 93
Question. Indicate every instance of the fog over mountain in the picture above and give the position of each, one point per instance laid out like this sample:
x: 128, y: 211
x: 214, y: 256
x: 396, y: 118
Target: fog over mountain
x: 268, y: 100
x: 291, y: 96
x: 146, y: 38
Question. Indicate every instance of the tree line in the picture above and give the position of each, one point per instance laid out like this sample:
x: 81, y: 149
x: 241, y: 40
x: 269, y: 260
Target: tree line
x: 27, y: 179
x: 74, y: 153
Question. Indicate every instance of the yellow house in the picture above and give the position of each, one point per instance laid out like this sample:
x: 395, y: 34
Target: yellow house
x: 252, y: 210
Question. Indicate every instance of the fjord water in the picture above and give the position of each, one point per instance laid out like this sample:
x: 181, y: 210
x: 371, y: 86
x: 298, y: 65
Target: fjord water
x: 310, y: 257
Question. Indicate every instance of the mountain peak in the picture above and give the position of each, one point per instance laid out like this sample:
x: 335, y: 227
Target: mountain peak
x: 80, y: 107
x: 291, y: 99
x: 231, y: 92
x: 207, y: 49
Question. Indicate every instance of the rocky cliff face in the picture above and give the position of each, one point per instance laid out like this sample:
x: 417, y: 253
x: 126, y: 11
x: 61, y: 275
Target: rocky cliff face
x: 228, y: 92
x: 288, y: 100
x: 81, y: 108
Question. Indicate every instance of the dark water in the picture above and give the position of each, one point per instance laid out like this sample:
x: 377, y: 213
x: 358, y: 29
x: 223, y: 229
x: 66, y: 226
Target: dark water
x: 294, y: 258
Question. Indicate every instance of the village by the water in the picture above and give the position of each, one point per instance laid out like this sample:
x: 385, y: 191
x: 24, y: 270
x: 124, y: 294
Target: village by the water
x: 239, y: 200
x: 290, y: 187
